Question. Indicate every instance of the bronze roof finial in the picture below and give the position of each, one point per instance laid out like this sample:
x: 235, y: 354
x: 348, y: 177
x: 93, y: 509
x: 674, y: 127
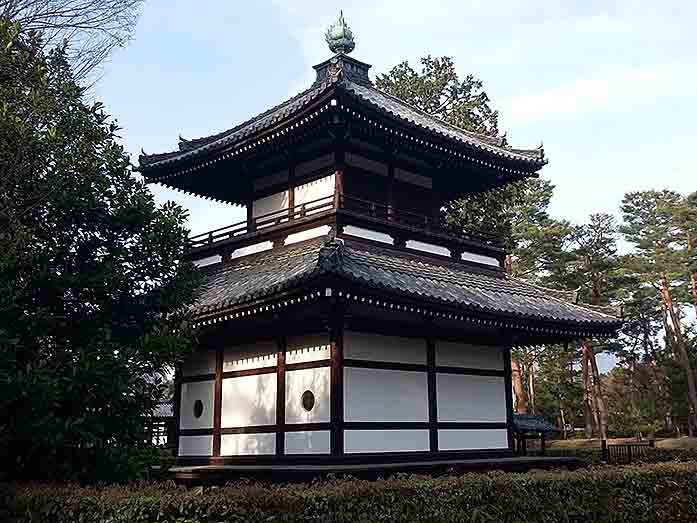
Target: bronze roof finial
x: 339, y: 36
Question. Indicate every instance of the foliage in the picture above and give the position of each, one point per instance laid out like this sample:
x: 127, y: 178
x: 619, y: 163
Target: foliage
x: 438, y: 90
x: 648, y: 493
x: 93, y: 281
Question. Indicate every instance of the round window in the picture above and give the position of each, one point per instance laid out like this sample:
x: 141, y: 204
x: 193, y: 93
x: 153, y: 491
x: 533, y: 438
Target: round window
x: 308, y: 400
x: 198, y: 408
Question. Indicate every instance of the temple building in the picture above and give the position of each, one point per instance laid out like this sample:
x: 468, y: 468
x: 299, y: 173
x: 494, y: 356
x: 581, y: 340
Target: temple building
x: 342, y: 323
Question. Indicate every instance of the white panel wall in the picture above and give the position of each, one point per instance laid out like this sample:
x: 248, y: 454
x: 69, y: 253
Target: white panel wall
x: 304, y: 168
x: 374, y: 347
x: 271, y: 203
x: 306, y: 234
x: 200, y: 362
x: 249, y: 400
x: 252, y: 356
x: 470, y: 398
x: 312, y: 347
x: 368, y: 234
x: 247, y: 444
x: 366, y: 163
x: 251, y: 249
x: 479, y: 258
x: 472, y: 439
x: 195, y: 445
x: 427, y: 247
x: 449, y: 354
x: 209, y: 260
x: 317, y: 382
x: 314, y: 190
x: 309, y: 442
x: 385, y: 441
x: 200, y: 390
x: 385, y: 395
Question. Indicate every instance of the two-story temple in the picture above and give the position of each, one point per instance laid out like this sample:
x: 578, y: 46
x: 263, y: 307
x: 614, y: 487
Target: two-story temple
x: 341, y: 324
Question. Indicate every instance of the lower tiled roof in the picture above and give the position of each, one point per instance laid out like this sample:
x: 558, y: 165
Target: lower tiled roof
x: 426, y: 278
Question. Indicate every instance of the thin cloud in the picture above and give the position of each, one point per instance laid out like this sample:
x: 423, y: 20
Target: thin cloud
x: 621, y: 89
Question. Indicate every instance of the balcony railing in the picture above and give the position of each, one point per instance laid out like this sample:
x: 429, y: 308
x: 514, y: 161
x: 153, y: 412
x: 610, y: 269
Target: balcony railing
x: 262, y: 222
x: 396, y: 222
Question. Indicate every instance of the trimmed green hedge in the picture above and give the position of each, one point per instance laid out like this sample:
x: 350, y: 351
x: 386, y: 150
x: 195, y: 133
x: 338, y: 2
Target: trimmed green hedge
x: 590, y: 457
x: 647, y: 493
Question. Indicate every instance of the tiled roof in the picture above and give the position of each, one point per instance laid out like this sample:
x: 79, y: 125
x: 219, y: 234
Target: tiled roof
x: 453, y: 284
x: 523, y: 423
x: 364, y: 92
x: 412, y: 115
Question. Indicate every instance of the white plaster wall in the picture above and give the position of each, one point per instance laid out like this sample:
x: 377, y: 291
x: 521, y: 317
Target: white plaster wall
x: 250, y: 356
x: 249, y: 400
x: 311, y: 347
x: 272, y: 179
x: 479, y: 258
x: 427, y: 247
x: 195, y: 445
x: 314, y: 190
x: 200, y: 362
x: 209, y: 260
x: 449, y: 354
x: 385, y: 395
x: 271, y: 203
x: 366, y: 164
x: 313, y: 165
x: 317, y: 382
x: 368, y: 234
x: 247, y: 444
x: 315, y: 232
x: 252, y: 249
x: 472, y: 439
x: 470, y: 398
x: 413, y: 178
x: 308, y: 442
x: 200, y: 390
x: 374, y: 347
x: 385, y: 441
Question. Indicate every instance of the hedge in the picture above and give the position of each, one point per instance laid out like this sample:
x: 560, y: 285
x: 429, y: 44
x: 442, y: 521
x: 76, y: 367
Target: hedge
x: 593, y: 456
x: 648, y: 493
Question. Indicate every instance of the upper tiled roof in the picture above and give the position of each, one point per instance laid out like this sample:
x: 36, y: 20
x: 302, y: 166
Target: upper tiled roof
x: 360, y: 88
x: 422, y: 277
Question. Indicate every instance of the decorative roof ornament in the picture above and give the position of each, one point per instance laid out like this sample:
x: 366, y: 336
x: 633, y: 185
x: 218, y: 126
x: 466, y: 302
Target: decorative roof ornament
x: 339, y: 36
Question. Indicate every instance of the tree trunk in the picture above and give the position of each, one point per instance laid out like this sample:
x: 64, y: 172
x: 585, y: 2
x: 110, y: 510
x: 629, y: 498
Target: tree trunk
x: 518, y: 390
x: 693, y: 275
x: 598, y: 398
x: 531, y: 386
x: 587, y: 404
x: 679, y: 344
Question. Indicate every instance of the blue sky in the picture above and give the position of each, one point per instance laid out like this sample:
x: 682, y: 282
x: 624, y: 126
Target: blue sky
x: 609, y: 87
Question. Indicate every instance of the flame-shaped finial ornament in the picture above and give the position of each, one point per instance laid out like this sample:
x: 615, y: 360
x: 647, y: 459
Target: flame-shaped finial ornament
x: 339, y: 36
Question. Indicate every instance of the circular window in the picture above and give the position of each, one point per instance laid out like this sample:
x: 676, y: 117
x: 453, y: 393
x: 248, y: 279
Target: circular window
x: 198, y: 408
x: 308, y: 400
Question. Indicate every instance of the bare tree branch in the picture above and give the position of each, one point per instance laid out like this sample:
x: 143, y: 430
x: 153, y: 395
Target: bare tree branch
x: 92, y: 29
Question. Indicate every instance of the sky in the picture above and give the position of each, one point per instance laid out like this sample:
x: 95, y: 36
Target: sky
x: 608, y: 86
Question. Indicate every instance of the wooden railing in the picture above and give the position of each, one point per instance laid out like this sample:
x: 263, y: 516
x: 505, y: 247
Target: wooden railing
x: 625, y: 453
x: 412, y: 220
x: 262, y: 222
x: 374, y: 211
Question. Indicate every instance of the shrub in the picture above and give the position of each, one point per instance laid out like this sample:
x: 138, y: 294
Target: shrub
x: 648, y: 493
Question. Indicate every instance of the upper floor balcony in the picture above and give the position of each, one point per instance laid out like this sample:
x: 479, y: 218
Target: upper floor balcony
x: 352, y: 217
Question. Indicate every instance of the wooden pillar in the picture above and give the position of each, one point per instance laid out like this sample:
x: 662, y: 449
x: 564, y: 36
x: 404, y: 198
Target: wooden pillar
x: 542, y: 443
x: 217, y: 400
x: 291, y: 186
x: 432, y: 393
x: 390, y: 188
x: 508, y: 384
x: 336, y: 388
x: 281, y: 397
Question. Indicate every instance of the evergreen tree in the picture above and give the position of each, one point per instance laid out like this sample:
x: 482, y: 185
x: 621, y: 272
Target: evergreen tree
x: 94, y: 286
